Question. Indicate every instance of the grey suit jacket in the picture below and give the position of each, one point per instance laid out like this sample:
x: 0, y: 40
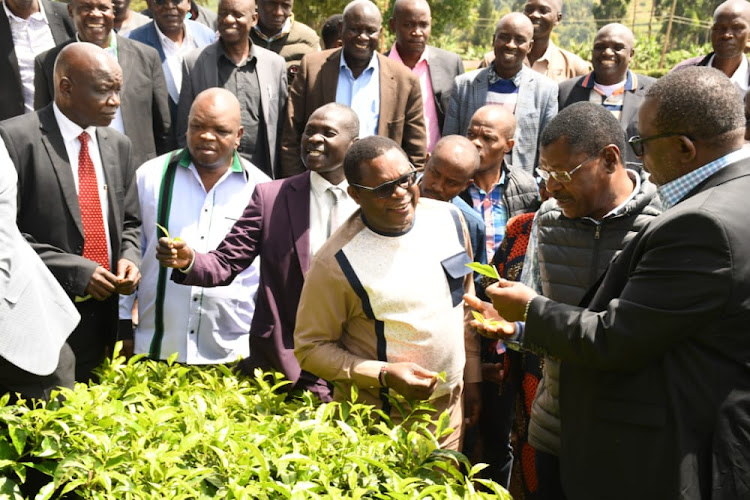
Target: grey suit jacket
x: 573, y: 90
x: 48, y: 211
x: 36, y: 316
x: 200, y: 71
x: 144, y: 101
x: 444, y: 68
x: 11, y: 88
x: 536, y: 106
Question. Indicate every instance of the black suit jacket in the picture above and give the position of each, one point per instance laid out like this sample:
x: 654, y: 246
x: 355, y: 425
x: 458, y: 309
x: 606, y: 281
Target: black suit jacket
x: 144, y: 100
x: 48, y: 210
x: 655, y: 375
x: 572, y: 91
x: 11, y: 88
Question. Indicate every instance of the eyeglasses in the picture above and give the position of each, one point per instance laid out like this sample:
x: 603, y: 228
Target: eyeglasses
x: 636, y: 142
x: 565, y: 176
x: 387, y: 189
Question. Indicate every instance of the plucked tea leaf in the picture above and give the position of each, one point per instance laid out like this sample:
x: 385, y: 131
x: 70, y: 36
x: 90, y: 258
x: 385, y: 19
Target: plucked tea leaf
x: 484, y: 269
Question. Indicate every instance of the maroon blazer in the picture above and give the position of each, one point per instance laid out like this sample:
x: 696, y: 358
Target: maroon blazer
x: 401, y: 112
x: 276, y: 227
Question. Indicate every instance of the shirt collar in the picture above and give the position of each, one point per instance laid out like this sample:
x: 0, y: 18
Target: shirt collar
x: 740, y: 74
x: 186, y: 161
x: 112, y: 49
x: 393, y: 54
x: 250, y: 56
x: 37, y: 16
x: 69, y: 129
x: 622, y: 206
x: 551, y: 47
x: 494, y: 77
x: 285, y: 29
x: 631, y: 81
x: 373, y: 64
x: 674, y: 191
x: 495, y: 186
x: 319, y: 185
x: 164, y: 39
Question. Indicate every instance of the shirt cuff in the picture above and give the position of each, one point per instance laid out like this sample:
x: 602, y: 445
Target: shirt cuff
x: 190, y: 267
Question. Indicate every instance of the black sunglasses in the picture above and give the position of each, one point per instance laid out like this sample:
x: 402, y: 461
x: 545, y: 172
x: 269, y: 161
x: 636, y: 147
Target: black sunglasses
x: 636, y: 142
x: 387, y: 189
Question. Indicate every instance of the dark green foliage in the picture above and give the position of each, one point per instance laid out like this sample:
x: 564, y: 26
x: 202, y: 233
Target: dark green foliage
x: 164, y: 430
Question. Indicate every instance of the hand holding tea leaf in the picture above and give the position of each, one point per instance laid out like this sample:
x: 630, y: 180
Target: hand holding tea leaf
x: 173, y: 252
x: 128, y: 277
x: 487, y: 321
x: 411, y: 380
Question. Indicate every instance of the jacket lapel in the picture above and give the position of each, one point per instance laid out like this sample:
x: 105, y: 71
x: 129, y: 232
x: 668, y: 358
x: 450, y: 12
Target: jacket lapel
x: 388, y: 88
x: 298, y: 207
x: 329, y: 76
x: 107, y: 153
x: 730, y: 172
x: 53, y: 143
x: 126, y: 60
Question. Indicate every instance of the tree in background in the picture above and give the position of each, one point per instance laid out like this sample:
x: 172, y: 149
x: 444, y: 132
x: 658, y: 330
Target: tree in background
x: 684, y: 33
x: 609, y: 11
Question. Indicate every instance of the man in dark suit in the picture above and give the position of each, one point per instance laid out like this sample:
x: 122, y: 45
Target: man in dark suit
x: 64, y: 218
x: 144, y: 107
x: 436, y: 68
x: 173, y: 37
x: 17, y: 86
x: 282, y: 227
x: 655, y: 377
x: 384, y: 94
x: 611, y: 83
x: 255, y: 75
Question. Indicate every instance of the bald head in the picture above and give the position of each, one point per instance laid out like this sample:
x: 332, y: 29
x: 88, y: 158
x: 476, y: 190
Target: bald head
x: 729, y: 34
x: 514, y: 37
x: 497, y: 116
x: 214, y: 129
x: 450, y: 168
x: 401, y: 7
x: 611, y: 53
x: 617, y: 29
x: 491, y: 131
x: 365, y: 7
x: 220, y: 101
x: 739, y: 8
x: 412, y: 25
x: 87, y: 84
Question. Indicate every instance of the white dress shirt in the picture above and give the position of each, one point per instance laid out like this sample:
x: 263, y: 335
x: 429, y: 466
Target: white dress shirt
x: 173, y: 54
x: 70, y: 132
x: 740, y: 76
x: 203, y: 325
x: 320, y: 209
x: 31, y: 37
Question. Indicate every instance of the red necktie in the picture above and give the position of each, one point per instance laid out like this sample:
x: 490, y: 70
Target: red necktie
x: 94, y: 237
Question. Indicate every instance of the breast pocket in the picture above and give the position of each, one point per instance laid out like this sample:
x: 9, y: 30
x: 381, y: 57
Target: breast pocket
x: 455, y: 269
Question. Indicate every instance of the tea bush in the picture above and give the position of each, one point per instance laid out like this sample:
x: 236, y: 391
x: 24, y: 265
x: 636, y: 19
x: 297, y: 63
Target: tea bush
x: 169, y: 431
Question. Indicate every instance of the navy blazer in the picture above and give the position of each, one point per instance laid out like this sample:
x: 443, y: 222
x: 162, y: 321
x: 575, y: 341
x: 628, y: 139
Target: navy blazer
x: 11, y: 88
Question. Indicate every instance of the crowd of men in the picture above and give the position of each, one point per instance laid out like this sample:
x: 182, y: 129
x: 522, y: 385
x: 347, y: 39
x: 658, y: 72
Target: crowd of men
x: 226, y: 187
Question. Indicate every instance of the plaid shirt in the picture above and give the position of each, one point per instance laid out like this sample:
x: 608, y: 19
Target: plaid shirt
x: 672, y: 192
x: 491, y: 208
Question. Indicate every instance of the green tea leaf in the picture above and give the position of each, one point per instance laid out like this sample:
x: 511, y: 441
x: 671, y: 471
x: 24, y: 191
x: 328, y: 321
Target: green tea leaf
x: 484, y: 269
x: 163, y: 229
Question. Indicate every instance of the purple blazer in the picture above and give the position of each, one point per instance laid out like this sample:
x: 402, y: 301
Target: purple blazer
x: 275, y: 226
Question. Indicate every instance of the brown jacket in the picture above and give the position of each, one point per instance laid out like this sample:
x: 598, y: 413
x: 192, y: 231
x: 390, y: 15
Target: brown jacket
x: 401, y: 113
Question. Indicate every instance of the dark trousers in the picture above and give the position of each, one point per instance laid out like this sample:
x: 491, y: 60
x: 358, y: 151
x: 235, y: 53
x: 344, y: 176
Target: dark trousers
x: 548, y: 475
x: 31, y: 386
x: 96, y: 331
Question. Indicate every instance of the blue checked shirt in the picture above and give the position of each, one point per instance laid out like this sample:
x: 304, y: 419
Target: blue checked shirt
x: 672, y: 192
x: 491, y: 208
